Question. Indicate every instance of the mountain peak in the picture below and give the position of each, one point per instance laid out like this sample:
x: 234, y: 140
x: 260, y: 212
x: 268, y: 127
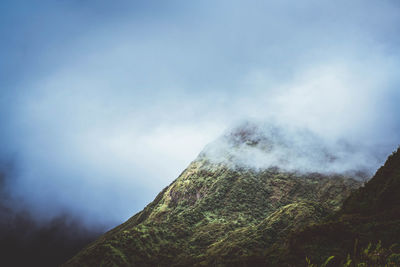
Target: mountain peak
x: 213, y: 209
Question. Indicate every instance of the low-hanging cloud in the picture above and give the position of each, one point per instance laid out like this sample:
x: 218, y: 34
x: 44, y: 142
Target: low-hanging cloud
x: 260, y: 145
x: 98, y: 118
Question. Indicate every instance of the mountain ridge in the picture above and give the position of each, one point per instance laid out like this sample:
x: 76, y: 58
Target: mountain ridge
x: 220, y: 214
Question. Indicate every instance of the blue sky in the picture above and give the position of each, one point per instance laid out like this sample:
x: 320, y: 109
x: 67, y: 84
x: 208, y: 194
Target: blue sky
x: 105, y: 103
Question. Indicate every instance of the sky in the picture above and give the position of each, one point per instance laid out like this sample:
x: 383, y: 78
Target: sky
x: 104, y: 103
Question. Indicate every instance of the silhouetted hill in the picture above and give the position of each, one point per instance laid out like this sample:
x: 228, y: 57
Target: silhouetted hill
x: 24, y: 241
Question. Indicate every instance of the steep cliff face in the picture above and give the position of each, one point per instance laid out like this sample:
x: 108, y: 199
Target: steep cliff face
x: 220, y: 212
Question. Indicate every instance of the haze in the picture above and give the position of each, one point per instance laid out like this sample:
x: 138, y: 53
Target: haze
x: 104, y: 103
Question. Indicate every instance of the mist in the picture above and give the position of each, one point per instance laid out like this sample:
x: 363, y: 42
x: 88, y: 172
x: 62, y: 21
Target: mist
x: 25, y: 240
x: 257, y: 145
x: 103, y: 105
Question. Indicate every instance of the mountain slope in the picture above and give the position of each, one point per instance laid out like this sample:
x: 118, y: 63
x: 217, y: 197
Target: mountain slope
x: 218, y: 214
x: 370, y: 214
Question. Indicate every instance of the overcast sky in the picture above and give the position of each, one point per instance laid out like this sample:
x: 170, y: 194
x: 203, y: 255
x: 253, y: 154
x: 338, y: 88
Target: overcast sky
x: 104, y: 103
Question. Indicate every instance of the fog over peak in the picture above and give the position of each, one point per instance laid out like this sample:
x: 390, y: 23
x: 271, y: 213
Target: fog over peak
x: 260, y: 146
x: 103, y: 104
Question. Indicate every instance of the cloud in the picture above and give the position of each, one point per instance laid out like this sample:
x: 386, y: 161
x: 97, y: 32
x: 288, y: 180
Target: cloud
x: 104, y: 104
x: 260, y: 145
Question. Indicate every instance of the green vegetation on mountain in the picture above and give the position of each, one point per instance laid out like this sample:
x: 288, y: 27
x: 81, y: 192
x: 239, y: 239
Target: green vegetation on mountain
x: 219, y: 212
x: 215, y: 215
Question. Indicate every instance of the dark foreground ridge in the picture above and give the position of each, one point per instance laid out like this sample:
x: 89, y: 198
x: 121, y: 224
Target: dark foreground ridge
x: 370, y: 215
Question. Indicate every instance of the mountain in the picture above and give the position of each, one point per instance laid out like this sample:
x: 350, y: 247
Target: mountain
x: 235, y: 205
x: 370, y: 215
